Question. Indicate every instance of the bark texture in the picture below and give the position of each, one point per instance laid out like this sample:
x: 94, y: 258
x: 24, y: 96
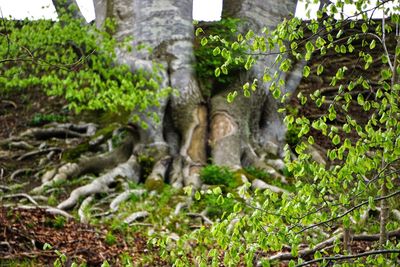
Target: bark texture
x: 193, y: 127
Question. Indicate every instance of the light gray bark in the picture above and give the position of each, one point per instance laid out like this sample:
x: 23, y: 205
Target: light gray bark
x: 253, y: 121
x: 165, y: 28
x: 70, y: 6
x: 240, y: 133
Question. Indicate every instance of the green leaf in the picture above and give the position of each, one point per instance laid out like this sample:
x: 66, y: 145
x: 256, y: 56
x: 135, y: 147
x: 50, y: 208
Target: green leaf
x: 311, y: 140
x: 197, y: 195
x: 309, y: 47
x: 204, y: 41
x: 360, y: 99
x: 199, y: 31
x: 320, y: 69
x: 317, y: 255
x: 336, y: 139
x: 343, y: 49
x: 235, y: 46
x: 306, y: 71
x: 216, y: 51
x: 372, y: 44
x: 231, y: 96
x: 217, y: 72
x: 364, y: 27
x: 249, y: 63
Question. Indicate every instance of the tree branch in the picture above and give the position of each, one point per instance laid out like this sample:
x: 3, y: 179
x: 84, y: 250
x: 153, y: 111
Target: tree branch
x: 348, y: 211
x: 347, y: 257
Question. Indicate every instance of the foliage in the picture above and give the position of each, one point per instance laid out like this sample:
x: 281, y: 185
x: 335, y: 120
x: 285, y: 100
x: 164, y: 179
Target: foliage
x: 213, y: 49
x: 218, y: 175
x: 362, y: 170
x: 40, y: 119
x: 76, y: 61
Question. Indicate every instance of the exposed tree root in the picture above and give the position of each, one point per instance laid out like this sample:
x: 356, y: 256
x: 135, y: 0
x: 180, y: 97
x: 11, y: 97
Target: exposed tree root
x: 136, y: 216
x: 10, y: 144
x: 48, y: 209
x: 204, y: 218
x: 19, y: 195
x: 94, y: 164
x: 179, y: 207
x: 83, y: 209
x: 20, y: 171
x: 129, y: 170
x: 38, y: 152
x: 258, y: 184
x: 125, y: 196
x: 65, y: 130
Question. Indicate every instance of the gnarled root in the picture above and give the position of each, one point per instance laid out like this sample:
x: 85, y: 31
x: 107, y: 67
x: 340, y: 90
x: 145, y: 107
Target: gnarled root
x: 128, y: 170
x: 94, y: 164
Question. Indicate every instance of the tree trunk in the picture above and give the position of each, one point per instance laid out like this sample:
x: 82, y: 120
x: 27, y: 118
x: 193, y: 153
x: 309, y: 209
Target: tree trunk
x: 246, y: 132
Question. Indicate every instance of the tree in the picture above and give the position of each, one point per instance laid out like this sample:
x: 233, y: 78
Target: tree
x: 332, y: 198
x: 191, y: 128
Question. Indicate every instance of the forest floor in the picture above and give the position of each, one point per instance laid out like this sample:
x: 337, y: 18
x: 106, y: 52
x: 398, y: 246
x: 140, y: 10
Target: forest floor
x: 25, y: 229
x: 28, y: 222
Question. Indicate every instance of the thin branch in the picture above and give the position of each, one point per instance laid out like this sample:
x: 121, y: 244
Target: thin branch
x: 328, y: 242
x: 348, y: 211
x: 347, y: 257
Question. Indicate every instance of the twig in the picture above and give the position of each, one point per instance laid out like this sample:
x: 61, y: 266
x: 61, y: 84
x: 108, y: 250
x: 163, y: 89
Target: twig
x: 21, y: 195
x: 324, y: 244
x: 354, y: 256
x: 38, y: 152
x: 12, y: 103
x: 307, y: 251
x: 48, y: 209
x: 347, y: 212
x: 202, y: 216
x: 17, y: 172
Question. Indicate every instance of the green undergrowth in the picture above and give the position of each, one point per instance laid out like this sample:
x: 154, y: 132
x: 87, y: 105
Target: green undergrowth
x: 228, y: 179
x: 40, y: 119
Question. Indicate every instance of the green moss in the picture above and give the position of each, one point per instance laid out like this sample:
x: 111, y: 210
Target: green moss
x: 253, y: 173
x: 146, y: 164
x: 107, y: 130
x: 74, y: 153
x: 219, y: 175
x: 153, y: 184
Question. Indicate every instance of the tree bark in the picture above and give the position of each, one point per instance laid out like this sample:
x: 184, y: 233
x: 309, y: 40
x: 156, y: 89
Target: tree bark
x: 192, y: 129
x: 238, y: 134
